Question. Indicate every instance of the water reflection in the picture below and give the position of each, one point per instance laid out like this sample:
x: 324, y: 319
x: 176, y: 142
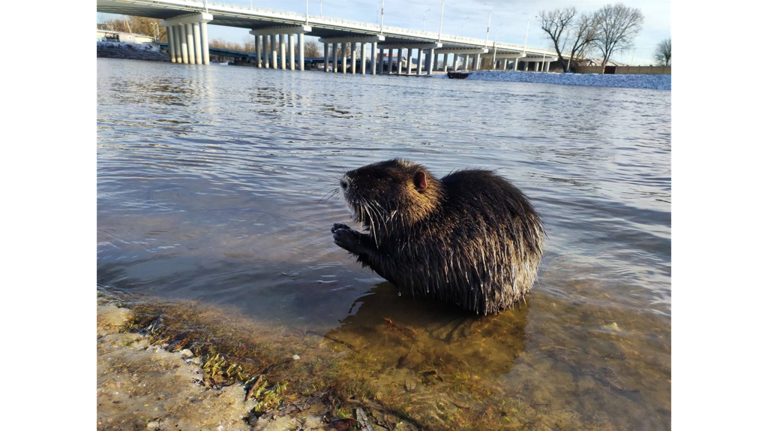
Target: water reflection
x: 422, y: 335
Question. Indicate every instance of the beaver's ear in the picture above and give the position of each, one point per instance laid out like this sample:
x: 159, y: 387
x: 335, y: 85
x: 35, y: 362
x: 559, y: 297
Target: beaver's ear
x: 420, y: 180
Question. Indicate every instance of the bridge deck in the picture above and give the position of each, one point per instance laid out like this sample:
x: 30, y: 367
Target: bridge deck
x: 325, y: 27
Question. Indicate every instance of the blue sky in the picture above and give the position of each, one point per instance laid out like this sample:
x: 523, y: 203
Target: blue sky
x: 470, y: 17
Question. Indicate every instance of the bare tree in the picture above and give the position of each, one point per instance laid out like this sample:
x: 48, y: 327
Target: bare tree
x: 311, y: 49
x: 583, y: 35
x: 555, y: 22
x: 249, y: 44
x: 617, y: 26
x: 223, y: 44
x: 138, y: 25
x: 663, y: 54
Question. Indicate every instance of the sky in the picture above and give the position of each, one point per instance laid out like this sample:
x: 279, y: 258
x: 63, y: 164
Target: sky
x: 469, y: 18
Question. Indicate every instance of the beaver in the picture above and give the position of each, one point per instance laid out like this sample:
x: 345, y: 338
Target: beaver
x: 469, y: 238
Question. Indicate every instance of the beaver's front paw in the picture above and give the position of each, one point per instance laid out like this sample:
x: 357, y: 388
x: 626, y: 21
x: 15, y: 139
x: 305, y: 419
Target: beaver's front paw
x: 346, y: 238
x: 337, y: 226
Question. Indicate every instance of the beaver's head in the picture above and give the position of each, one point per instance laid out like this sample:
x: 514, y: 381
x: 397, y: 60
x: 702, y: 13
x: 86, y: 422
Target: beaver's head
x: 391, y: 194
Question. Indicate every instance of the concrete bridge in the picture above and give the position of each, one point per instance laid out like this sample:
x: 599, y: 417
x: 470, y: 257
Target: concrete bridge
x: 186, y: 22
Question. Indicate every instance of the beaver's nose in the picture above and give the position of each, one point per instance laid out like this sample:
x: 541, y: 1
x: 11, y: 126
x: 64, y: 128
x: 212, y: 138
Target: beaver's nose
x: 344, y: 182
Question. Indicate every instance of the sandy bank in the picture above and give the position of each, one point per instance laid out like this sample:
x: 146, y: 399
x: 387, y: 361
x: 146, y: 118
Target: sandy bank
x: 146, y: 387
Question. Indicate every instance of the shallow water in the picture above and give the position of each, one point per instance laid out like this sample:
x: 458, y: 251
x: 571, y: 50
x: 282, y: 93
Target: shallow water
x: 211, y: 183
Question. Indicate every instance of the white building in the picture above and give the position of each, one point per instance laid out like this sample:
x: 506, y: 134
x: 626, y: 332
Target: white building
x: 119, y: 36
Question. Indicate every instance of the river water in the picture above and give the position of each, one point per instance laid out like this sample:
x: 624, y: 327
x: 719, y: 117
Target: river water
x: 211, y: 186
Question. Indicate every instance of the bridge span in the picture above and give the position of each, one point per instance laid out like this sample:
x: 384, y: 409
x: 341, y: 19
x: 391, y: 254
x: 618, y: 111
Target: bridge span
x: 276, y: 34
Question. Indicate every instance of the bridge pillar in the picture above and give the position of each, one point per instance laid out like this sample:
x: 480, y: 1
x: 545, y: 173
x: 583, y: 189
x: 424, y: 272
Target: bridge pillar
x: 408, y: 64
x: 380, y: 62
x: 301, y: 52
x: 477, y: 61
x: 171, y: 47
x: 204, y: 36
x: 374, y: 63
x: 335, y: 57
x: 190, y: 43
x: 419, y: 56
x: 265, y: 50
x: 257, y: 39
x: 546, y: 66
x: 399, y: 61
x: 198, y: 49
x: 455, y: 61
x: 282, y: 39
x: 184, y: 49
x: 274, y: 47
x: 276, y: 50
x: 514, y: 65
x: 292, y: 49
x: 325, y: 51
x: 353, y: 57
x: 177, y: 42
x: 188, y: 38
x: 391, y: 54
x: 431, y: 61
x: 344, y: 58
x: 362, y: 58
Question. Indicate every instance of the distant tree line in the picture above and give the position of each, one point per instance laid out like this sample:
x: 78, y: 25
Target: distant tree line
x: 609, y: 30
x: 311, y: 48
x: 136, y: 24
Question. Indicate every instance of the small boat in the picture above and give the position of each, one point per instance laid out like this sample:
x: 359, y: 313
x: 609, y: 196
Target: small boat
x: 457, y: 75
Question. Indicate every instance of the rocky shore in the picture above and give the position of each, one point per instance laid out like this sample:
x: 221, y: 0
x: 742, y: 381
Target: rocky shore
x: 131, y: 51
x: 145, y: 385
